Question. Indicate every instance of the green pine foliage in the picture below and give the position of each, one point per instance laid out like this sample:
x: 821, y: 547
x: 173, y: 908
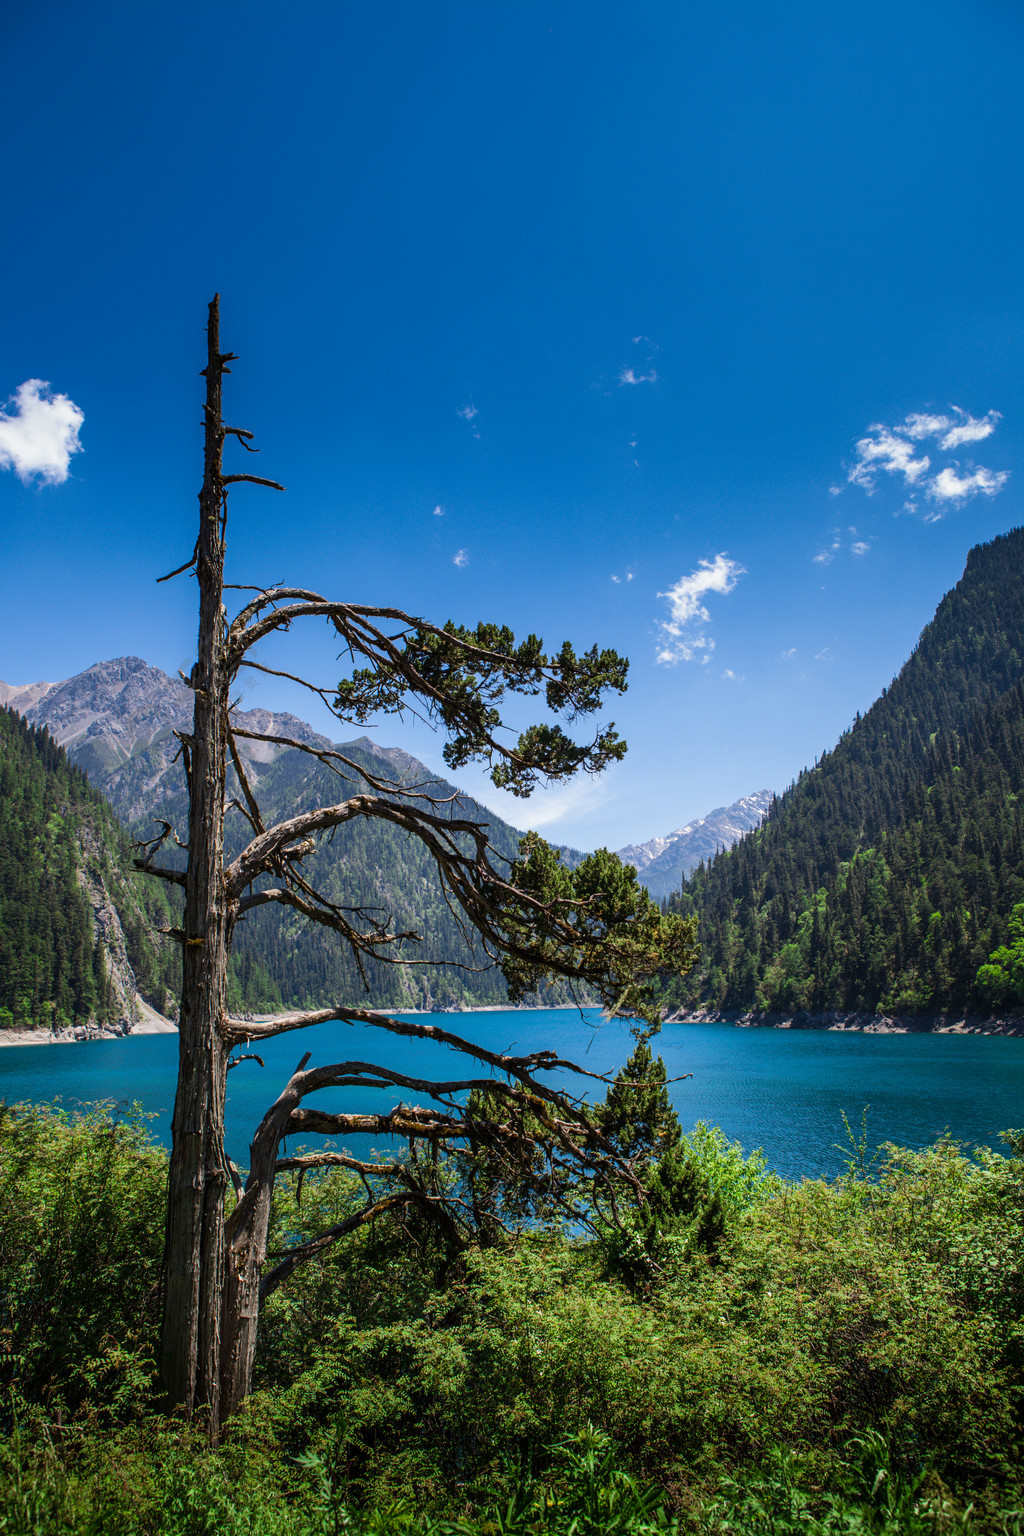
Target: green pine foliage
x: 53, y: 825
x: 682, y: 1213
x: 887, y: 875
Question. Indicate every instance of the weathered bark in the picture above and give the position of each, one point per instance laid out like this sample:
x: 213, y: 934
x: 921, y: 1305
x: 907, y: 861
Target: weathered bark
x: 194, y: 1256
x: 215, y: 1272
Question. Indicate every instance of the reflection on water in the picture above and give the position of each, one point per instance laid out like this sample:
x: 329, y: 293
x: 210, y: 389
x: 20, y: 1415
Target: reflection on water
x: 783, y: 1090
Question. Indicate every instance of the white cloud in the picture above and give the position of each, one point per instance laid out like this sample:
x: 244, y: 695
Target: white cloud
x: 460, y: 558
x: 954, y: 488
x: 920, y: 424
x: 631, y: 376
x: 952, y: 431
x: 616, y: 580
x: 825, y: 655
x: 439, y: 511
x: 788, y: 655
x: 969, y: 430
x: 683, y: 649
x: 835, y: 490
x: 884, y: 450
x: 41, y: 433
x: 469, y: 413
x: 683, y: 640
x: 890, y: 450
x: 729, y: 672
x: 826, y: 556
x: 548, y: 805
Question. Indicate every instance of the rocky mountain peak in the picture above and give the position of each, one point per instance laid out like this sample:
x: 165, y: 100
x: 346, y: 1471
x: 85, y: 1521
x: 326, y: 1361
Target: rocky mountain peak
x: 663, y: 861
x: 118, y: 719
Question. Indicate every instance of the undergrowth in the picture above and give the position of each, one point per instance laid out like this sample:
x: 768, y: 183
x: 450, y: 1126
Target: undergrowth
x: 848, y: 1357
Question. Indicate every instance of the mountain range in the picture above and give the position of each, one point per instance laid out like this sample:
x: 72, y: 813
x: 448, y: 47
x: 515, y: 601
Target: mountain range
x: 663, y: 862
x: 117, y: 720
x: 888, y: 878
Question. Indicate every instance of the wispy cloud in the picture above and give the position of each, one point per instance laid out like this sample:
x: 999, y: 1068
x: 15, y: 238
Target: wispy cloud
x: 632, y: 376
x: 460, y: 558
x: 469, y: 413
x: 40, y: 433
x: 892, y: 451
x: 827, y: 555
x: 856, y: 547
x: 439, y: 510
x: 683, y: 638
x: 646, y: 373
x: 548, y: 805
x: 788, y: 655
x: 619, y: 579
x: 884, y: 450
x: 953, y: 431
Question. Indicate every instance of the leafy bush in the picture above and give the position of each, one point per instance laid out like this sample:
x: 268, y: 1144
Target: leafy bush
x: 81, y: 1240
x: 850, y: 1359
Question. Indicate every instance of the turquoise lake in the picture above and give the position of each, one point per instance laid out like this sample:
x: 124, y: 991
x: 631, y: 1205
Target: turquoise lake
x: 782, y: 1090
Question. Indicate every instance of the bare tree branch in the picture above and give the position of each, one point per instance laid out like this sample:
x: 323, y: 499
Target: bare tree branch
x: 243, y: 1032
x: 274, y: 1277
x: 330, y: 755
x: 251, y: 480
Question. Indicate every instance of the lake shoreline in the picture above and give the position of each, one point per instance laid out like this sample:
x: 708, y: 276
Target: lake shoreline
x: 149, y: 1023
x: 153, y: 1023
x: 858, y: 1023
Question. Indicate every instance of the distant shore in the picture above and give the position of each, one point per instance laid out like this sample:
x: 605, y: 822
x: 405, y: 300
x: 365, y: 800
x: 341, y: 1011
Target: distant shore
x: 153, y: 1023
x: 150, y: 1023
x: 862, y: 1023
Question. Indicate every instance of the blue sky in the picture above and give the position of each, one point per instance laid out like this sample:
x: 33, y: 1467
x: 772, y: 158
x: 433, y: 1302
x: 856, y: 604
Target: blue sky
x: 567, y: 315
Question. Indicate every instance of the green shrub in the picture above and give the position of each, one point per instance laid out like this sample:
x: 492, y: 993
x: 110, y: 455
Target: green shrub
x: 851, y: 1358
x: 81, y: 1240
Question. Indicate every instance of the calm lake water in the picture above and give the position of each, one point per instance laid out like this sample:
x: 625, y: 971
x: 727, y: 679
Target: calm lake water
x: 784, y: 1091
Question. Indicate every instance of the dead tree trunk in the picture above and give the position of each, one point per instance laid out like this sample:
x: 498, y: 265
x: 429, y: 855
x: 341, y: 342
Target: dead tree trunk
x: 194, y: 1257
x: 594, y: 925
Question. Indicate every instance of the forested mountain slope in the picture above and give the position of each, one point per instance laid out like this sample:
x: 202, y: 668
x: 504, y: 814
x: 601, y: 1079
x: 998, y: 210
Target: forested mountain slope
x: 78, y: 931
x: 885, y: 876
x: 280, y: 960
